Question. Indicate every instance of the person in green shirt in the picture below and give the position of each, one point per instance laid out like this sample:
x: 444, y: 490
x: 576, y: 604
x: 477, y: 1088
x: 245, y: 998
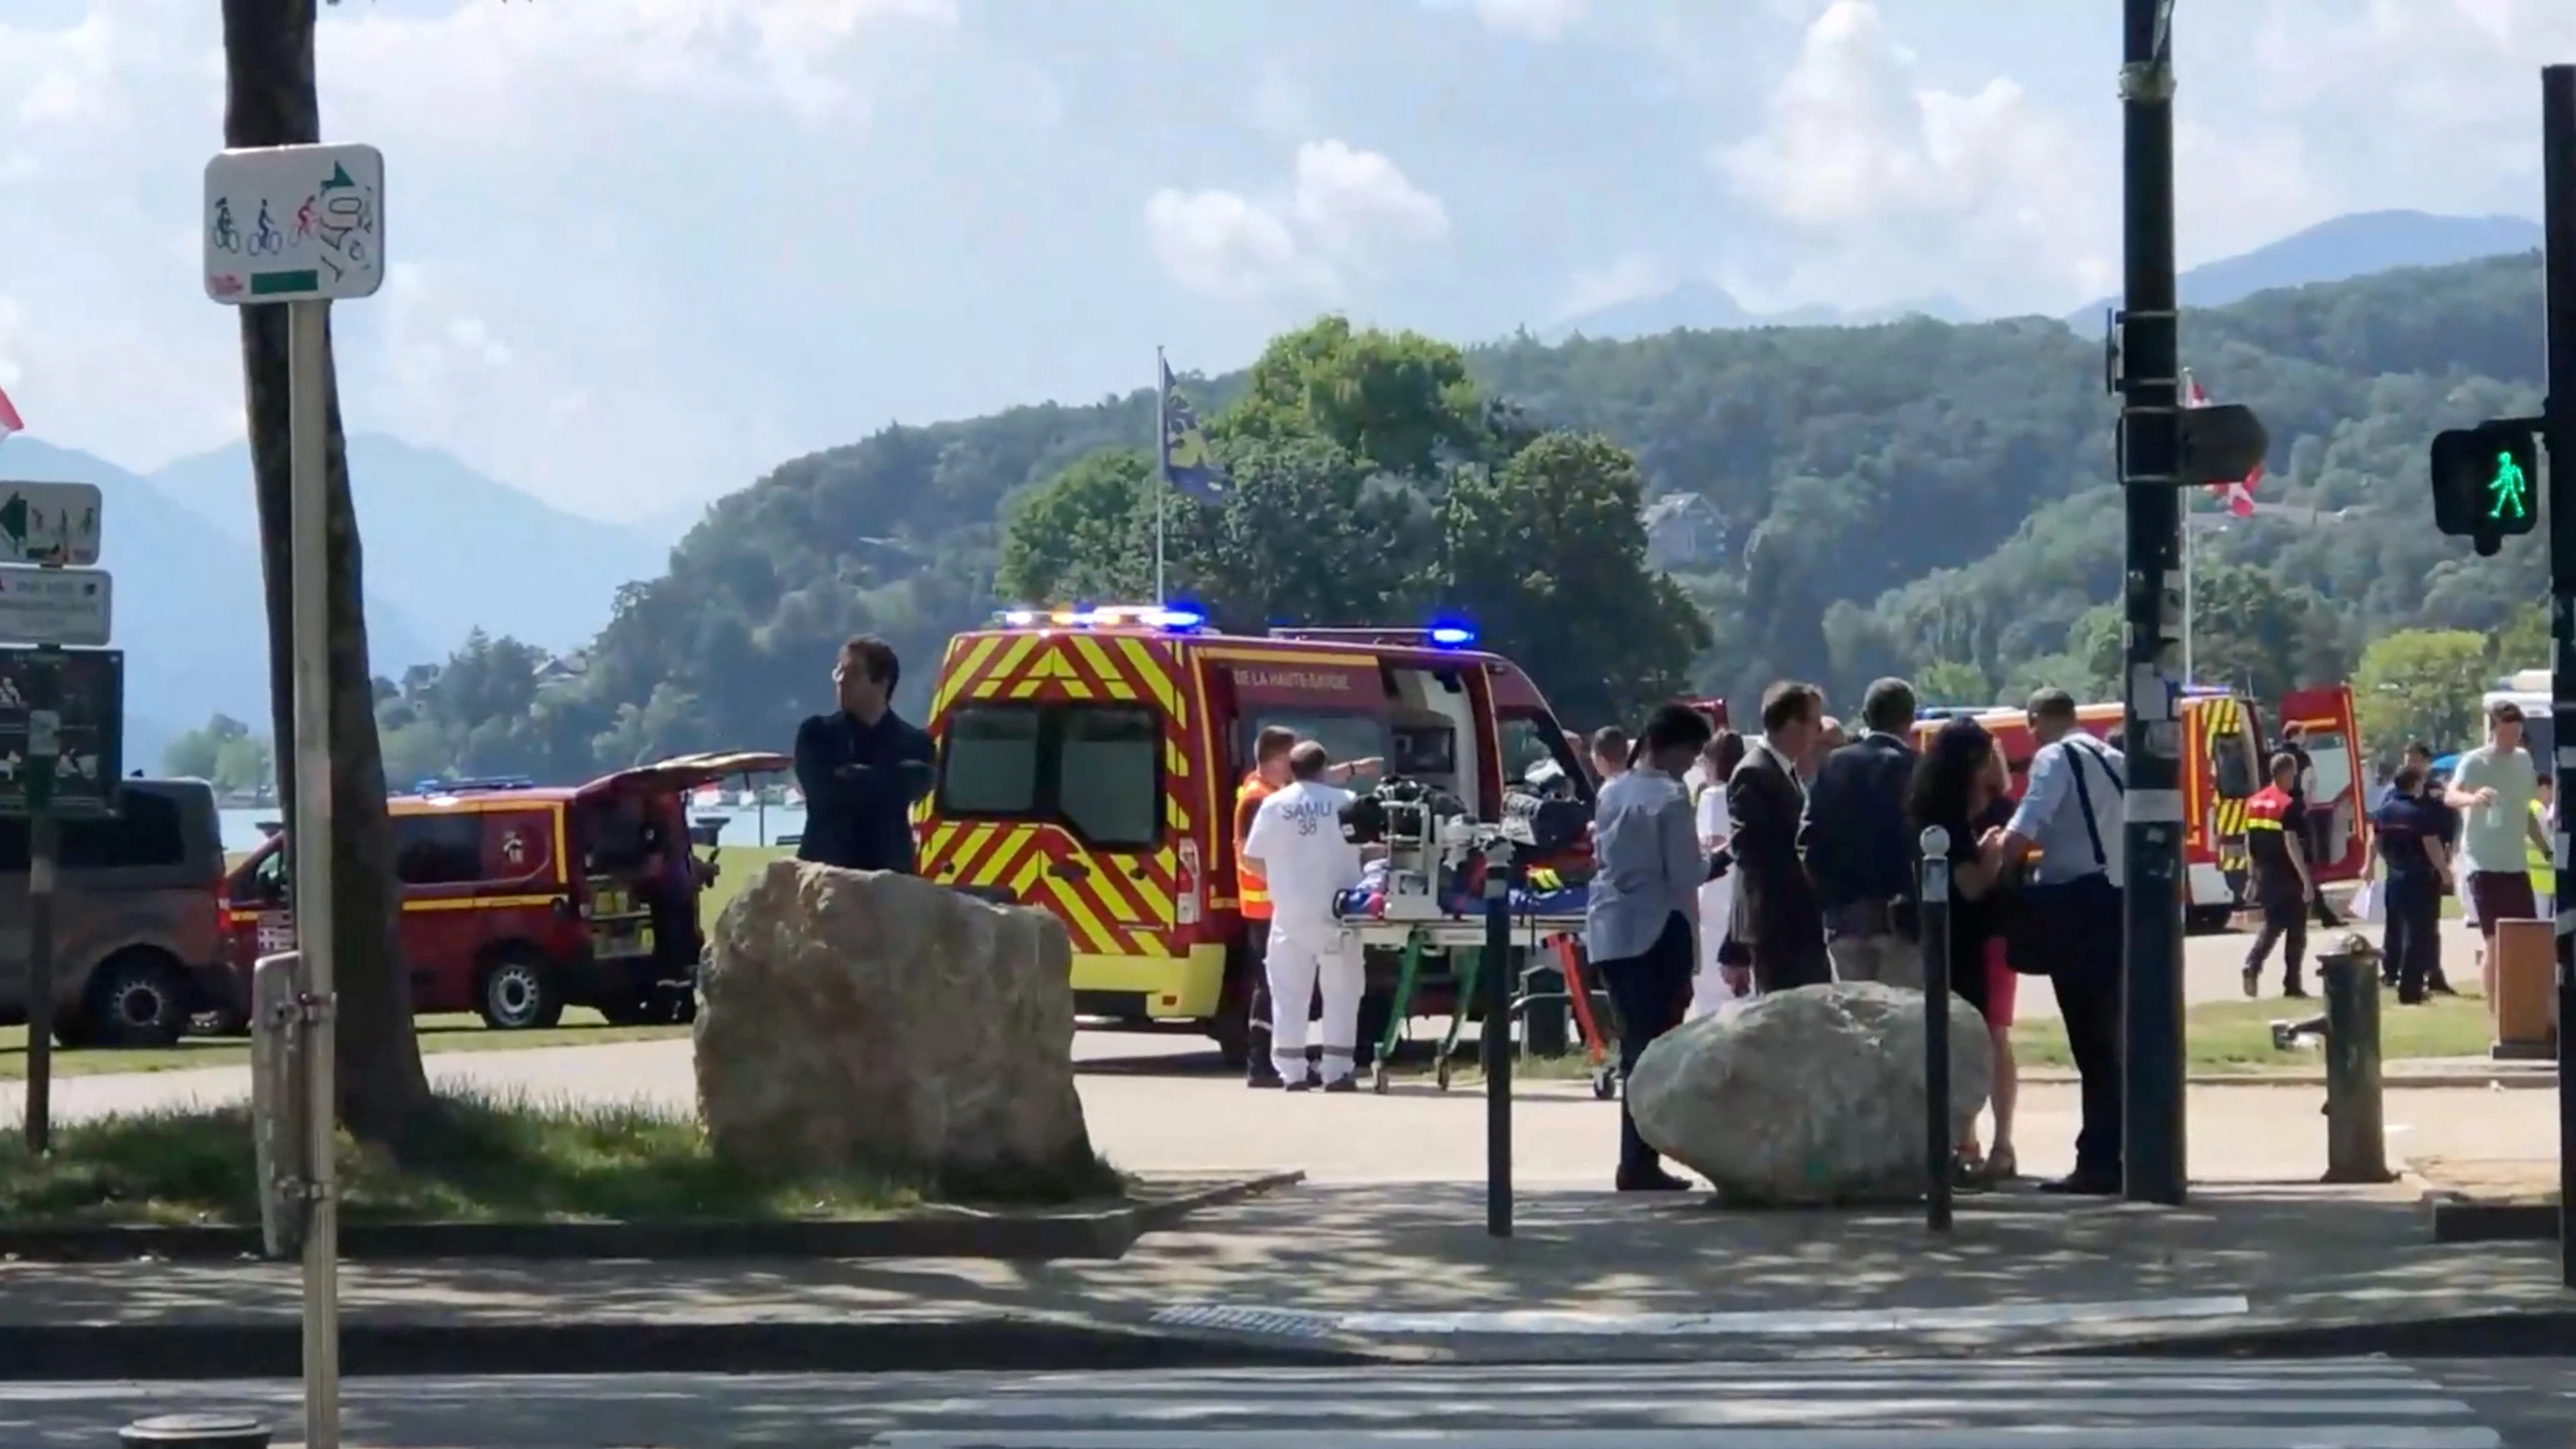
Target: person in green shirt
x: 2494, y: 788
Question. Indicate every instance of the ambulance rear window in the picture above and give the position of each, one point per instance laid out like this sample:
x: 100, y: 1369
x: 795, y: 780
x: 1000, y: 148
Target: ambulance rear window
x: 1096, y: 769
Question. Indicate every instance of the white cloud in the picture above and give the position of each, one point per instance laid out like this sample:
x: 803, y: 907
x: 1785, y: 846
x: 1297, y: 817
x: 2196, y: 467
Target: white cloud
x: 1344, y: 215
x: 1912, y: 185
x: 1540, y: 20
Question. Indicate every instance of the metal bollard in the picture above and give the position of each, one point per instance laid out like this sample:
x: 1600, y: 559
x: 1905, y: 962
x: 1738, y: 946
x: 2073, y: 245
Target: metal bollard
x: 1938, y: 1149
x: 278, y: 1099
x: 196, y: 1431
x: 2356, y: 1133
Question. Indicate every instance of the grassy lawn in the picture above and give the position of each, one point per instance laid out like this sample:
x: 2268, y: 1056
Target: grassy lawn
x: 480, y: 1160
x: 2219, y: 1036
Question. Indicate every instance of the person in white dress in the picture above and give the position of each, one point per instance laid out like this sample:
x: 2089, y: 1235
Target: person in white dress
x: 1717, y: 761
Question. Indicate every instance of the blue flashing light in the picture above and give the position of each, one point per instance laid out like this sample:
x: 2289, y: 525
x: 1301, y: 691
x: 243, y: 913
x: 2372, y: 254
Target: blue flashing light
x: 1452, y: 636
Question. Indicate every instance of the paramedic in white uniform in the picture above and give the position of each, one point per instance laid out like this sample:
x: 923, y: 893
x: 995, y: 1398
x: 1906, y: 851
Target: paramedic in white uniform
x: 1296, y: 843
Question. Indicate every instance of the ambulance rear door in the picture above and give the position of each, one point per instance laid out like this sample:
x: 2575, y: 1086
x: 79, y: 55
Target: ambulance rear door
x: 1337, y: 698
x: 1065, y: 781
x: 2325, y: 715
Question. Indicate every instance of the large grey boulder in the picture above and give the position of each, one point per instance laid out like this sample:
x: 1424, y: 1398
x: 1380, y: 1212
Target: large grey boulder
x: 857, y: 1020
x: 1806, y: 1098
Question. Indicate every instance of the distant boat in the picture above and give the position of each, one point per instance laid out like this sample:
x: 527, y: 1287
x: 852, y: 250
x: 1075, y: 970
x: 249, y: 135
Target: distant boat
x: 795, y: 800
x: 706, y: 797
x: 748, y: 799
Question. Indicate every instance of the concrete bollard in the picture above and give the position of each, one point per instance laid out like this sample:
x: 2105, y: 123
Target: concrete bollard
x: 2356, y: 1130
x: 195, y: 1431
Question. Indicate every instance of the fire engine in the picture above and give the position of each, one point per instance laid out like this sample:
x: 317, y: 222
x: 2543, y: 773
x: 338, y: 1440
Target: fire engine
x: 2223, y: 765
x: 1089, y: 758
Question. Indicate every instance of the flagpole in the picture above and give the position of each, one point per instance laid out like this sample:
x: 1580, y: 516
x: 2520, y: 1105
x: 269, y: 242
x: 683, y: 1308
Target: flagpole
x: 1162, y: 466
x: 2188, y: 532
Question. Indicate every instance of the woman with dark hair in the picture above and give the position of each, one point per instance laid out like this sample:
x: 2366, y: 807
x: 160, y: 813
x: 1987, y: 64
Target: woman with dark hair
x: 1962, y: 787
x: 1717, y: 760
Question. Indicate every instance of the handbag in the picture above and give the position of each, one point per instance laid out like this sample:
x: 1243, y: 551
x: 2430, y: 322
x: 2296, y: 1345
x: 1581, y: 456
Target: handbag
x: 2046, y: 917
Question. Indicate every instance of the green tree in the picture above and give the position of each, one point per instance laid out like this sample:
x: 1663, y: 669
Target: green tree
x: 1547, y: 555
x: 1400, y: 402
x: 2421, y: 684
x: 1085, y: 534
x: 1304, y: 538
x: 270, y: 100
x: 2523, y: 642
x: 198, y: 754
x: 2259, y: 635
x: 245, y: 765
x: 1952, y: 681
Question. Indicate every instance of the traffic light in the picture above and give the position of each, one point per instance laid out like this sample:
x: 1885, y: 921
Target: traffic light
x: 2486, y: 483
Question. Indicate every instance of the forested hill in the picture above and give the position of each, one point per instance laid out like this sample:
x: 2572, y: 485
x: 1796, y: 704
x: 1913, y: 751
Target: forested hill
x: 1917, y: 496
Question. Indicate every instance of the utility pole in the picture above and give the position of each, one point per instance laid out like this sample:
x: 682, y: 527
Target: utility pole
x: 2558, y: 430
x: 2151, y: 472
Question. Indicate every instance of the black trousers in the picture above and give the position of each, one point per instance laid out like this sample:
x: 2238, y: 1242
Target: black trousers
x: 1649, y: 993
x: 2410, y: 943
x: 1257, y: 1066
x: 2285, y: 922
x: 2086, y: 973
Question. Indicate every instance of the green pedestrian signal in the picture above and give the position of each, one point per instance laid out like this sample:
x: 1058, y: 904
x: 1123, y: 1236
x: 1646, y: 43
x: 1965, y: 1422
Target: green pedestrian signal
x: 2486, y: 483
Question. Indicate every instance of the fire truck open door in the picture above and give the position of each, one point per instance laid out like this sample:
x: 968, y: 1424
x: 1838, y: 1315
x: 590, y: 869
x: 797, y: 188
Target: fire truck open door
x: 2326, y: 715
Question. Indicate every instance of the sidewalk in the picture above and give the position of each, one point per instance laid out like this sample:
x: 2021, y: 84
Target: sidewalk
x: 1588, y: 1275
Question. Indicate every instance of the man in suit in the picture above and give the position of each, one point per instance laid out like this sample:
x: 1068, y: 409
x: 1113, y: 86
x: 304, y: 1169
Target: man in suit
x: 1779, y: 927
x: 1860, y: 845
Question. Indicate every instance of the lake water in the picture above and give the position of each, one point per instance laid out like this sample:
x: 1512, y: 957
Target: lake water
x: 742, y: 827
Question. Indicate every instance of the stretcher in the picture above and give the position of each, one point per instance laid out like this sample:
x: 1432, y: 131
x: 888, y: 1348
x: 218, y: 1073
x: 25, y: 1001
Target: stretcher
x: 1542, y: 929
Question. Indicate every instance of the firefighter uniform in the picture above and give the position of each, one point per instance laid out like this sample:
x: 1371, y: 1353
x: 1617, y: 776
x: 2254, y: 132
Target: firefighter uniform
x: 1296, y: 834
x: 1252, y: 897
x: 2278, y: 888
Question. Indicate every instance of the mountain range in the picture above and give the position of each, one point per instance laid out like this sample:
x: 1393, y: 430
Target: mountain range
x: 448, y: 551
x: 2335, y: 250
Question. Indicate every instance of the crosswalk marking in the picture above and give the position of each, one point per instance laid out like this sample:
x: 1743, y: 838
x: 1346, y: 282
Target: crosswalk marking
x: 2020, y: 1403
x: 1311, y: 1323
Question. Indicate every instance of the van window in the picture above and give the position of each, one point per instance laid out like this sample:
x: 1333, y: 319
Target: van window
x: 438, y: 849
x: 148, y: 832
x: 1361, y: 736
x: 1529, y: 741
x: 1096, y: 769
x: 2235, y: 766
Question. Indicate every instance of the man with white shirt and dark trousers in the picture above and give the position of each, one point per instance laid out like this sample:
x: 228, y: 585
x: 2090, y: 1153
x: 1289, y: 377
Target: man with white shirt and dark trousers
x: 2070, y: 926
x: 1641, y: 922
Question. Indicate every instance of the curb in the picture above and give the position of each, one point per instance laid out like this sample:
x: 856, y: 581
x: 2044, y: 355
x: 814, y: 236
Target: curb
x: 2523, y: 1080
x: 2506, y: 1334
x: 1096, y: 1236
x: 2455, y: 1217
x: 203, y: 1351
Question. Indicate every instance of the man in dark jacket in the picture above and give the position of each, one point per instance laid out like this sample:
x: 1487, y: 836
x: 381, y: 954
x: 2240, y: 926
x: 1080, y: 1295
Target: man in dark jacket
x: 861, y: 767
x: 1778, y: 932
x: 1860, y: 849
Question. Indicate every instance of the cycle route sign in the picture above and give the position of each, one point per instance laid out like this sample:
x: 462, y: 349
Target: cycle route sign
x: 295, y: 224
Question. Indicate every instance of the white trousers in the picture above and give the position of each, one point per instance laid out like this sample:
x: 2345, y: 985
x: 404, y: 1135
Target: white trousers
x: 1304, y: 955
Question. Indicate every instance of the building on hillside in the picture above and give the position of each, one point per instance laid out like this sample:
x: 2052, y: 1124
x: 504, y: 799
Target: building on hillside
x: 1684, y: 532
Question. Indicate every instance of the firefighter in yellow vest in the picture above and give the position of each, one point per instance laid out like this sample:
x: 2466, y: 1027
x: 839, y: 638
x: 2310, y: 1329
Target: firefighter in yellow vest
x: 1269, y: 772
x: 2544, y: 872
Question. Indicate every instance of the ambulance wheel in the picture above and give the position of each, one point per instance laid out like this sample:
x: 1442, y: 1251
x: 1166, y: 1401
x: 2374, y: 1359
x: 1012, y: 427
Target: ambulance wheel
x: 138, y: 998
x: 518, y: 993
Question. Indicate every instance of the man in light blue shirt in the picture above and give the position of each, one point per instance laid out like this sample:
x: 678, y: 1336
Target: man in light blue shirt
x: 2073, y: 815
x: 1641, y: 924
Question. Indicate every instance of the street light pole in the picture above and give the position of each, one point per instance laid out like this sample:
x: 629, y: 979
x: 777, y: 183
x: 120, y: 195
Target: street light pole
x: 2153, y: 1168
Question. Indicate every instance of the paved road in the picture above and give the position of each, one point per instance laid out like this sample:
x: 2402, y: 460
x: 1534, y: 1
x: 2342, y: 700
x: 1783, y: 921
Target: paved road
x: 1898, y: 1404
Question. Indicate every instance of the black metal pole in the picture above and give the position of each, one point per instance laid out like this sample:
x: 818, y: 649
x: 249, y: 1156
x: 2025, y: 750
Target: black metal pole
x: 2558, y: 209
x: 2153, y: 1167
x: 1494, y: 1038
x: 43, y: 776
x: 1937, y: 1146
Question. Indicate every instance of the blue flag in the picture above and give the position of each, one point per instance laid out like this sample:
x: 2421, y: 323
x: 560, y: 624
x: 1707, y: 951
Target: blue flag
x: 1186, y: 460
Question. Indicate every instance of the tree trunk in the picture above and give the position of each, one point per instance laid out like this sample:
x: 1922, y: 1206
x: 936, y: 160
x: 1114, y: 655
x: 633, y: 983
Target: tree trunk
x: 270, y: 101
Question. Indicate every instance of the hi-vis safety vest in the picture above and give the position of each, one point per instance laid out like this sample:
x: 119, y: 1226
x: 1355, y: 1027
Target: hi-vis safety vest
x: 2544, y: 876
x: 1252, y: 892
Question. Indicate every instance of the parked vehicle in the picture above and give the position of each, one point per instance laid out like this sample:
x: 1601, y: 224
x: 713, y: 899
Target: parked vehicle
x: 138, y: 918
x: 1088, y: 762
x: 520, y: 900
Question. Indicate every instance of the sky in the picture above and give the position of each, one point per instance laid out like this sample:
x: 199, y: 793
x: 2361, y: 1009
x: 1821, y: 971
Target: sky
x: 642, y: 251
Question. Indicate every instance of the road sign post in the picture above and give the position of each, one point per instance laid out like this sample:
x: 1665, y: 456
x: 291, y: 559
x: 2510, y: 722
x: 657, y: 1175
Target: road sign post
x: 49, y: 534
x: 2153, y: 467
x: 304, y: 225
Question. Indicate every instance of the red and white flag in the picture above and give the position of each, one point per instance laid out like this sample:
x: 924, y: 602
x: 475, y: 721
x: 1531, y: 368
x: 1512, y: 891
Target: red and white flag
x: 10, y: 422
x: 2239, y: 495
